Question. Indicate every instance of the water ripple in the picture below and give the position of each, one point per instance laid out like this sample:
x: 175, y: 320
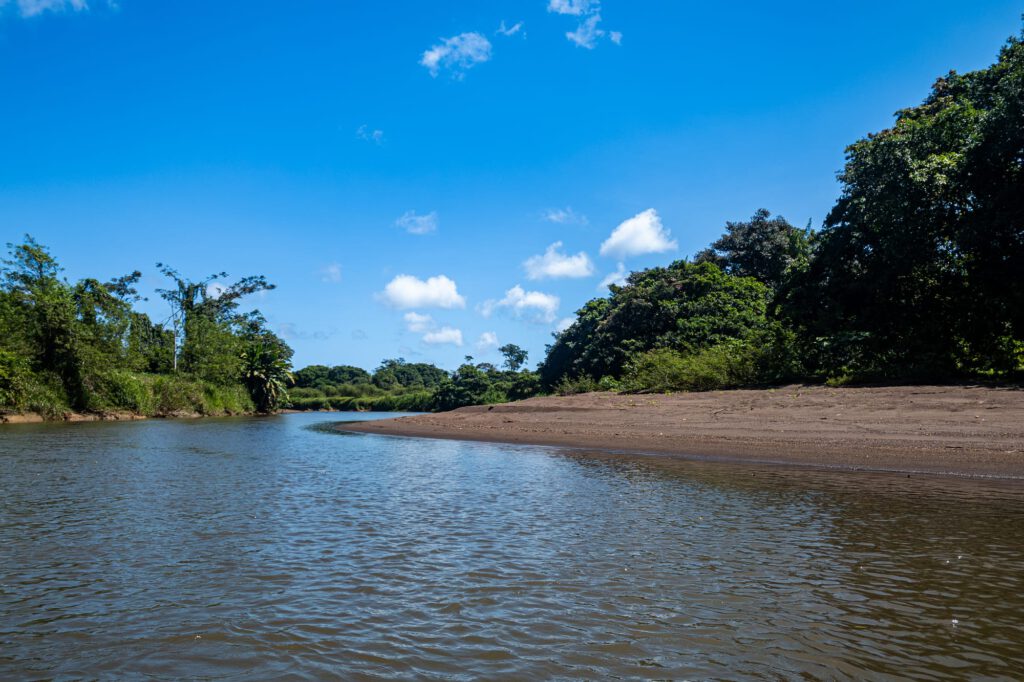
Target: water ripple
x: 260, y: 548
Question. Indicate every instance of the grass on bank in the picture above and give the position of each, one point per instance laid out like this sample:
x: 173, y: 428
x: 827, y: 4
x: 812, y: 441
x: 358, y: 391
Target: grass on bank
x: 150, y: 395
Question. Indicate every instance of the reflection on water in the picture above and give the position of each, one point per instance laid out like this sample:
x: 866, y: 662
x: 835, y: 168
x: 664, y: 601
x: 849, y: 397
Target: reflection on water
x: 260, y: 548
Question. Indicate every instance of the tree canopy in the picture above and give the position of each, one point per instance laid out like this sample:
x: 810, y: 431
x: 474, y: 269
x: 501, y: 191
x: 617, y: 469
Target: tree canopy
x: 920, y: 266
x: 82, y: 346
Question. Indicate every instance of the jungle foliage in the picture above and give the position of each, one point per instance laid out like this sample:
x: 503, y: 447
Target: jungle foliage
x: 916, y: 275
x: 399, y: 386
x: 81, y: 346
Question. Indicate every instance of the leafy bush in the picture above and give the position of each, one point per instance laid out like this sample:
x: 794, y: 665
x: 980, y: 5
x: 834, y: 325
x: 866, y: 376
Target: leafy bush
x: 13, y: 380
x: 119, y: 389
x: 576, y: 386
x: 181, y: 394
x: 303, y: 393
x: 419, y: 401
x: 231, y: 399
x: 45, y: 395
x: 723, y: 366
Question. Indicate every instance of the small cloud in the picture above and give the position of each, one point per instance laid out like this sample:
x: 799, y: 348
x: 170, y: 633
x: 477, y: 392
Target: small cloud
x: 564, y: 216
x: 418, y: 323
x: 511, y: 30
x: 458, y: 54
x: 487, y: 341
x: 521, y: 303
x: 359, y: 335
x: 374, y: 136
x: 406, y: 291
x: 444, y: 335
x: 564, y: 324
x: 574, y: 8
x: 587, y: 33
x: 332, y: 273
x: 31, y: 8
x: 418, y: 224
x: 643, y: 233
x: 555, y: 264
x: 617, y: 278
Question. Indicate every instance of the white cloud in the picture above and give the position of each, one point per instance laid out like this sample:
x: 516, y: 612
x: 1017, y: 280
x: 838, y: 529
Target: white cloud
x: 444, y: 335
x: 487, y: 341
x: 643, y: 233
x: 520, y: 303
x: 332, y: 273
x: 618, y: 278
x: 415, y: 322
x: 564, y: 216
x: 375, y: 136
x: 511, y: 30
x: 587, y: 33
x: 406, y: 291
x: 553, y: 263
x: 564, y: 324
x: 459, y: 54
x: 31, y: 8
x: 575, y: 8
x: 418, y: 224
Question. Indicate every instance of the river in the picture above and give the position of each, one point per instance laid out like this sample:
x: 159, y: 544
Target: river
x: 275, y: 549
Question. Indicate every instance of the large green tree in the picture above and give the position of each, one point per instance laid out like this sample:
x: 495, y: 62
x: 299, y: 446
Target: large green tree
x: 204, y: 316
x: 766, y: 248
x: 265, y: 363
x: 685, y: 307
x: 920, y: 268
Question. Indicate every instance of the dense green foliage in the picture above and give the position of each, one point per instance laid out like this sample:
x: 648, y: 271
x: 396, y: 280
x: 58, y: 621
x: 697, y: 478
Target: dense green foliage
x: 917, y: 274
x: 484, y: 384
x: 395, y: 386
x: 685, y: 308
x: 398, y: 386
x: 82, y: 347
x: 920, y: 267
x: 765, y: 248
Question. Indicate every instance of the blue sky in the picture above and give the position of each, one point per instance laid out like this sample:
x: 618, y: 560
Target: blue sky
x: 418, y: 175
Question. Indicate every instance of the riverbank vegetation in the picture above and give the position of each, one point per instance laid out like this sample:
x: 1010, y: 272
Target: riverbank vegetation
x: 82, y: 347
x: 400, y: 386
x: 916, y: 276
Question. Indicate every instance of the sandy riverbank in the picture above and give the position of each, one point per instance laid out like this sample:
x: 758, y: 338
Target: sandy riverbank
x: 975, y: 431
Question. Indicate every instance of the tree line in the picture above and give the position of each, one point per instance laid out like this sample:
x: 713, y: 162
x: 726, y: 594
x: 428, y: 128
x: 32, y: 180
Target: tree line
x: 83, y: 347
x: 397, y: 385
x: 916, y: 275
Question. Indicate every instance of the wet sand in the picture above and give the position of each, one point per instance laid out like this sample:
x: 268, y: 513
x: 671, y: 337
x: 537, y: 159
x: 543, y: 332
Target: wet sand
x: 970, y: 431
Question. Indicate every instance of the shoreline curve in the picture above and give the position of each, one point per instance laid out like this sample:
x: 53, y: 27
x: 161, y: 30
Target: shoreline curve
x: 965, y: 431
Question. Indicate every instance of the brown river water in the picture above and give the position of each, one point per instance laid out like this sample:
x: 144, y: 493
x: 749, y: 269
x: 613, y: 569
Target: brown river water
x: 263, y: 549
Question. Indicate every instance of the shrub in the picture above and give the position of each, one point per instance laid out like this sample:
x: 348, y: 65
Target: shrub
x: 576, y: 386
x: 726, y: 365
x: 303, y: 393
x: 14, y: 377
x: 44, y: 394
x: 119, y: 389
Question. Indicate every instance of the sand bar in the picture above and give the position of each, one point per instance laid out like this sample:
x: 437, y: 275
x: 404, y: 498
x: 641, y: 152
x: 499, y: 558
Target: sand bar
x: 970, y: 430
